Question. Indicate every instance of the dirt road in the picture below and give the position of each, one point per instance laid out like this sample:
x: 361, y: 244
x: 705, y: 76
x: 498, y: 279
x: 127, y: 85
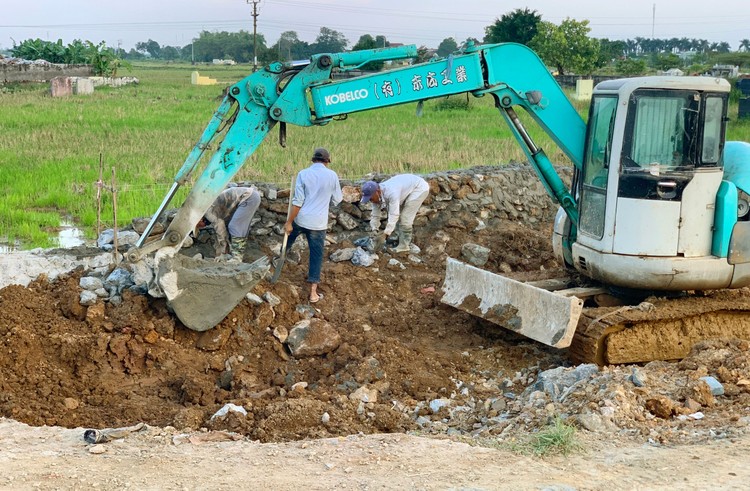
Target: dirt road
x: 55, y: 458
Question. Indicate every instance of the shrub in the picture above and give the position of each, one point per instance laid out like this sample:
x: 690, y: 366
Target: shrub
x: 453, y: 103
x: 104, y: 60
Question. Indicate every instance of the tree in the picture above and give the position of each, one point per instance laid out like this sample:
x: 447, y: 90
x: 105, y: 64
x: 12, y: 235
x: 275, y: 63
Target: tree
x: 665, y: 61
x: 519, y: 26
x: 423, y: 54
x: 170, y: 53
x: 368, y: 42
x: 447, y: 46
x: 289, y: 47
x: 630, y: 67
x: 365, y: 42
x: 745, y: 45
x: 610, y: 51
x: 381, y: 41
x: 329, y: 41
x: 567, y: 47
x: 151, y: 47
x: 237, y: 46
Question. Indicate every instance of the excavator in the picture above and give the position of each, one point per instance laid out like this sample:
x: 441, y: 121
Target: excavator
x: 658, y: 206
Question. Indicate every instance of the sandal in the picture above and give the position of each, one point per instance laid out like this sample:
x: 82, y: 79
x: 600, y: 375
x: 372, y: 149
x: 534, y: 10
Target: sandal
x: 320, y: 297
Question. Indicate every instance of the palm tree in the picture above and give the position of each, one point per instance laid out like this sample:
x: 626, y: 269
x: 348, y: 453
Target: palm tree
x: 745, y: 45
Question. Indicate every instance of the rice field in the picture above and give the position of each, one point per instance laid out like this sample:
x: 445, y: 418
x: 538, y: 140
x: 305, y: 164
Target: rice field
x: 50, y: 149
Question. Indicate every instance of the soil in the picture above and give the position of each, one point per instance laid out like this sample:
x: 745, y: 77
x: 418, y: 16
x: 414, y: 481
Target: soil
x: 110, y: 366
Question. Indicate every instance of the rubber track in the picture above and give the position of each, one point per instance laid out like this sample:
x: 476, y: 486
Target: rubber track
x: 659, y: 329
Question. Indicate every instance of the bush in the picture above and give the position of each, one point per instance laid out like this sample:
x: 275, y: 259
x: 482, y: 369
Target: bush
x: 456, y: 102
x: 104, y: 60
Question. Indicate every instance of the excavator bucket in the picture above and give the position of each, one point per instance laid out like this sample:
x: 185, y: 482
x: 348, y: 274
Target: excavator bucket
x: 545, y: 316
x: 202, y: 292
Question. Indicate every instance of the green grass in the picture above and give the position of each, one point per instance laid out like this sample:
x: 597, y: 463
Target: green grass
x: 50, y: 148
x: 557, y: 438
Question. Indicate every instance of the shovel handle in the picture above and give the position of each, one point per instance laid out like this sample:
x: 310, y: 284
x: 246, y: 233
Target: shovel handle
x: 282, y: 252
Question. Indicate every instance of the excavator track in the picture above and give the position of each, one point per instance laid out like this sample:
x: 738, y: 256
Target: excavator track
x: 659, y: 329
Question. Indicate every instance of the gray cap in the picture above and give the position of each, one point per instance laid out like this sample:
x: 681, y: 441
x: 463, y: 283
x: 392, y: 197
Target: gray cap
x: 320, y: 154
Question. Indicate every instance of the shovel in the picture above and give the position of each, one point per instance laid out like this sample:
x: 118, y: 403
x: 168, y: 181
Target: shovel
x: 282, y: 254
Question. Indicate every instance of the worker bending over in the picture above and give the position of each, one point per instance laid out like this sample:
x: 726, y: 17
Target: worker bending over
x: 401, y: 195
x: 230, y: 215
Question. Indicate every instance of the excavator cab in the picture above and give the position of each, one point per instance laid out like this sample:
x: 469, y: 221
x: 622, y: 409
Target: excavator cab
x: 649, y: 184
x: 656, y: 209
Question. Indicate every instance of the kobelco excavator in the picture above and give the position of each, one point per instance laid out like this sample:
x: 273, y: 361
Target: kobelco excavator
x: 658, y: 202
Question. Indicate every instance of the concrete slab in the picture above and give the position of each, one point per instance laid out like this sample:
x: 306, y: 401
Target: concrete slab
x: 61, y: 87
x: 525, y: 309
x: 83, y: 86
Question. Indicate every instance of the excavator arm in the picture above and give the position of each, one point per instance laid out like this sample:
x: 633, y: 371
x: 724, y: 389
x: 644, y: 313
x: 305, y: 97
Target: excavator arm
x: 305, y: 94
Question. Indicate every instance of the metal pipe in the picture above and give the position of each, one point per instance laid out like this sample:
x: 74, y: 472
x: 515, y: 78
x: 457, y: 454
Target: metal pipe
x: 158, y: 213
x: 521, y: 130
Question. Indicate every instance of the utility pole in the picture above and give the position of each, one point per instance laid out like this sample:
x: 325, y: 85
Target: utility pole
x: 653, y: 21
x: 255, y: 31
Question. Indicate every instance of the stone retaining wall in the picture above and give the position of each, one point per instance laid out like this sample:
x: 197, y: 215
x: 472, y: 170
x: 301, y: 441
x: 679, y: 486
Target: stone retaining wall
x: 39, y: 72
x: 462, y: 198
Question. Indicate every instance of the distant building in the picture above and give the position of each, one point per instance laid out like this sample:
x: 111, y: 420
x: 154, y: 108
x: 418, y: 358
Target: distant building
x: 687, y: 55
x: 224, y: 62
x: 673, y: 72
x: 725, y: 71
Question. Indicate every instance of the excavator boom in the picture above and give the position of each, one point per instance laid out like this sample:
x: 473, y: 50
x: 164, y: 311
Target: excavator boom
x: 307, y: 95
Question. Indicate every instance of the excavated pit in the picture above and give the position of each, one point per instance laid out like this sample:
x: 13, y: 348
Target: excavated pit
x: 402, y: 360
x: 109, y: 366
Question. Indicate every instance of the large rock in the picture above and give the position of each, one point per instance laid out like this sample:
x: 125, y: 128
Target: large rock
x: 363, y: 258
x: 347, y: 221
x: 351, y: 194
x: 475, y: 254
x: 345, y: 254
x: 557, y: 380
x: 140, y: 224
x: 312, y: 337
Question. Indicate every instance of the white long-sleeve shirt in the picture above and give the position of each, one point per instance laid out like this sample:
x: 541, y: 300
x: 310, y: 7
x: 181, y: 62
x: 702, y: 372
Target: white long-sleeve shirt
x: 316, y: 188
x: 393, y: 194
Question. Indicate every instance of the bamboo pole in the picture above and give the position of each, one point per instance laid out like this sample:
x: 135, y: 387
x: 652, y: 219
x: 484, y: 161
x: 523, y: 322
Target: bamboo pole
x: 114, y: 213
x: 99, y: 186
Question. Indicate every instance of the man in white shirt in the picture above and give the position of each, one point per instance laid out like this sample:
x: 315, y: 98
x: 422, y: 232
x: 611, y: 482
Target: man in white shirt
x: 401, y: 195
x: 317, y: 188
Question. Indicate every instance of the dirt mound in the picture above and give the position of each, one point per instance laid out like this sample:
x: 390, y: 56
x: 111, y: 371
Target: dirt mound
x: 114, y: 365
x: 403, y: 361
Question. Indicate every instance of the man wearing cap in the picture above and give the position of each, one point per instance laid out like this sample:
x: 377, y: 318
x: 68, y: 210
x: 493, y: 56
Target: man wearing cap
x: 401, y: 195
x: 316, y: 188
x: 230, y: 215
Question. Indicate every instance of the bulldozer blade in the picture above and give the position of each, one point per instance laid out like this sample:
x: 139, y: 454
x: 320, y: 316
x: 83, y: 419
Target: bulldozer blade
x: 544, y: 316
x: 201, y: 292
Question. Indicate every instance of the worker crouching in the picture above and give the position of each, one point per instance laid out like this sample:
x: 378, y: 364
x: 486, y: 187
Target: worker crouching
x: 401, y: 196
x: 231, y: 215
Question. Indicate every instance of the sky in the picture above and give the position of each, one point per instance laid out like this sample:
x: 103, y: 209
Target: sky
x: 176, y: 22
